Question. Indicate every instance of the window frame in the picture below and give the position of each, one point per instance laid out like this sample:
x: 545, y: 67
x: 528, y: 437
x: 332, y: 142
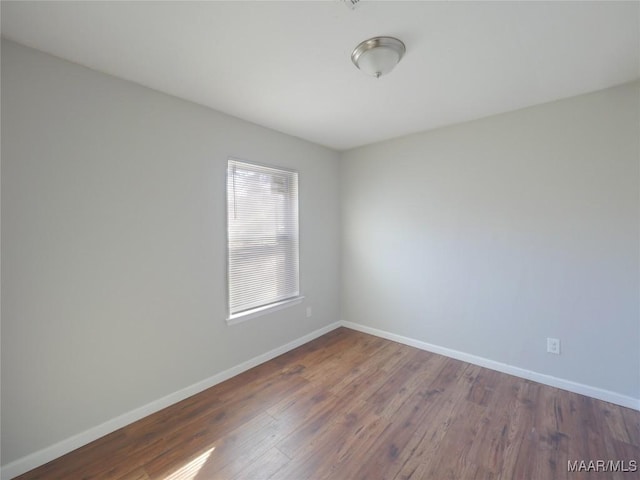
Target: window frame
x: 234, y: 318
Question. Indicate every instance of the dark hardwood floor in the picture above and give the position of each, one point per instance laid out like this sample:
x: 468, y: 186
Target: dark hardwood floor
x: 352, y: 406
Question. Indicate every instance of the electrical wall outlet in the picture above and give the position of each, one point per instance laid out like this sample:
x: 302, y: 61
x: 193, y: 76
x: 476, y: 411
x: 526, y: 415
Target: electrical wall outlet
x: 309, y: 312
x: 553, y: 345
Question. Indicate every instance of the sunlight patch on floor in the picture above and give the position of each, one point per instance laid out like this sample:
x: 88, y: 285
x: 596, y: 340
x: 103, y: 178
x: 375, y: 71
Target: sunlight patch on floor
x: 191, y: 469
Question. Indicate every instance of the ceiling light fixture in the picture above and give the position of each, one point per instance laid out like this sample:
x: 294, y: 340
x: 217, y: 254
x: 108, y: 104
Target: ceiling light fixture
x: 378, y: 55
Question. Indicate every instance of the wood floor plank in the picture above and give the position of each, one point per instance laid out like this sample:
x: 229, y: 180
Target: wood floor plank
x: 311, y: 428
x: 249, y: 435
x: 365, y: 378
x: 526, y: 462
x: 351, y: 406
x: 265, y: 467
x: 615, y: 423
x: 349, y: 460
x: 332, y: 444
x: 496, y: 439
x: 395, y: 446
x: 137, y: 474
x: 631, y: 421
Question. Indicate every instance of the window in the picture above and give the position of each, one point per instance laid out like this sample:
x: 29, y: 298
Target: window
x: 262, y: 226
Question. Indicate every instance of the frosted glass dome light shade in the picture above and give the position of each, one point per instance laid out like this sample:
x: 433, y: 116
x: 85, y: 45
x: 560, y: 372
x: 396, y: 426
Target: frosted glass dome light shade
x: 378, y: 56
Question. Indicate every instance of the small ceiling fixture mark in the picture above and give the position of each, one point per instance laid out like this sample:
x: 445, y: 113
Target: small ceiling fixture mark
x: 351, y: 4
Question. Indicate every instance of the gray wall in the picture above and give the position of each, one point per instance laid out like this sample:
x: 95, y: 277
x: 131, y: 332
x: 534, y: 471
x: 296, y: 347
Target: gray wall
x: 113, y: 246
x: 490, y: 236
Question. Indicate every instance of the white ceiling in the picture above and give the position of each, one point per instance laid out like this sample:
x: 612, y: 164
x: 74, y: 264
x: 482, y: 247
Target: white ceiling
x: 287, y: 66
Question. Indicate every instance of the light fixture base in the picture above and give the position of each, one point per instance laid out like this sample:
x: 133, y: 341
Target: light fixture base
x: 378, y: 55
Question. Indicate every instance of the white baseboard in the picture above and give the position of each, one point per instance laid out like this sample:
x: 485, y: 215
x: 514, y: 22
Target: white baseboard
x: 24, y: 464
x: 594, y: 392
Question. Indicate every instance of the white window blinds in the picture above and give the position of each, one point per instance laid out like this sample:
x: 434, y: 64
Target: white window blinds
x: 262, y: 205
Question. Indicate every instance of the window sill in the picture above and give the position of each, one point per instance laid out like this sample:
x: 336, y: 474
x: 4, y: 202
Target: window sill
x: 258, y: 312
